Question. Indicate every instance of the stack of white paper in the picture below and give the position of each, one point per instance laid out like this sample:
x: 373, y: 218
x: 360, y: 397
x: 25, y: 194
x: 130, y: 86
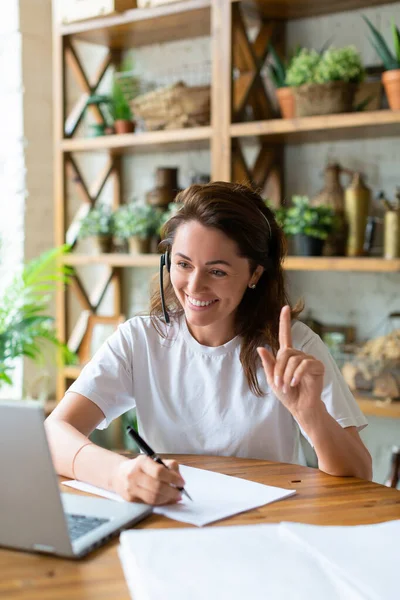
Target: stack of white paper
x: 258, y: 562
x: 254, y: 562
x: 366, y: 555
x: 215, y: 496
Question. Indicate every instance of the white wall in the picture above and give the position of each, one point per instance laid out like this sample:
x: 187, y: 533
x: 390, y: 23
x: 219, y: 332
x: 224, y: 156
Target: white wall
x: 26, y: 169
x: 12, y: 161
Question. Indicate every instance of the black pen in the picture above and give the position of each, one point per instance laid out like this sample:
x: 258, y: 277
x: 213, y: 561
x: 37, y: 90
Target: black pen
x: 149, y: 452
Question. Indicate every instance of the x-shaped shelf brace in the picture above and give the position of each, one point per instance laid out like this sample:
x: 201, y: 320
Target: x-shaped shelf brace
x: 89, y: 303
x: 249, y: 91
x: 88, y: 88
x: 89, y: 195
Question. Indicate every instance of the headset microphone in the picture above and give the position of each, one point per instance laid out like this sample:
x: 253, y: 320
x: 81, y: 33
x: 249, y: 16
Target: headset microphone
x: 164, y: 262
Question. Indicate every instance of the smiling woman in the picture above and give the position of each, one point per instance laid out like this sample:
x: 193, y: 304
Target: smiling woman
x: 222, y: 367
x: 226, y: 226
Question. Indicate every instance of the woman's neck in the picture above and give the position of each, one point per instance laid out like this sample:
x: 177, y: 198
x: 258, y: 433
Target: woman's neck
x: 212, y: 335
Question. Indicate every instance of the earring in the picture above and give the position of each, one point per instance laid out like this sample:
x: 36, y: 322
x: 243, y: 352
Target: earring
x: 252, y: 286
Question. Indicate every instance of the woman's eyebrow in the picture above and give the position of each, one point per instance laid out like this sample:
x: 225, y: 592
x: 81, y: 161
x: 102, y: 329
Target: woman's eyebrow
x: 210, y: 262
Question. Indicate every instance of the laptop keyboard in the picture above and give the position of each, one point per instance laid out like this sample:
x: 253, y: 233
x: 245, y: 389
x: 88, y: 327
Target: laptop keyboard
x: 78, y: 525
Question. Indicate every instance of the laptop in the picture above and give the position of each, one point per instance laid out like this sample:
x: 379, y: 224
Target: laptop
x: 34, y: 515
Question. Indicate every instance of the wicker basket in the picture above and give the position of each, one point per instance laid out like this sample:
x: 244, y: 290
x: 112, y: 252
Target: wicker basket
x: 324, y: 98
x: 173, y: 107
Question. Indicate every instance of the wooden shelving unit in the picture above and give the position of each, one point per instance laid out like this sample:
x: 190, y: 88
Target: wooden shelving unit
x: 144, y: 26
x: 292, y: 263
x: 131, y: 142
x: 300, y: 9
x: 231, y: 50
x: 379, y: 123
x: 378, y: 408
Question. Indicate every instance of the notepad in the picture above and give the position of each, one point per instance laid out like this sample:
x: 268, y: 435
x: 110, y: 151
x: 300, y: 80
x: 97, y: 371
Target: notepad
x: 215, y: 496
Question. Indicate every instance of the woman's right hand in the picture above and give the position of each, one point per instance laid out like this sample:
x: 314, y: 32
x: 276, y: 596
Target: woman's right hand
x: 143, y: 480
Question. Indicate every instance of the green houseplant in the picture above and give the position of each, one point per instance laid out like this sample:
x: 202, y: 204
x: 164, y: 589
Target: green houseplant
x: 97, y: 225
x: 139, y: 224
x: 325, y: 83
x: 25, y: 326
x: 309, y: 225
x: 121, y: 110
x: 284, y: 93
x: 391, y: 62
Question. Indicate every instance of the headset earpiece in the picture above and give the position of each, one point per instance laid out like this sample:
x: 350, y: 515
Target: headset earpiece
x: 165, y: 261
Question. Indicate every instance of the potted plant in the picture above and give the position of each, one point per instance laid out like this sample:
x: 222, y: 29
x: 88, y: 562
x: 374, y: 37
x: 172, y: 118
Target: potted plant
x: 391, y: 61
x: 325, y: 83
x: 97, y: 225
x: 309, y: 225
x: 103, y: 103
x: 25, y: 325
x: 139, y: 224
x: 284, y: 93
x: 120, y: 110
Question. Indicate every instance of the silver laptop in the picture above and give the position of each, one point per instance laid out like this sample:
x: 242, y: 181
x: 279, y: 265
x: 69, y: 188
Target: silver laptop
x: 34, y: 515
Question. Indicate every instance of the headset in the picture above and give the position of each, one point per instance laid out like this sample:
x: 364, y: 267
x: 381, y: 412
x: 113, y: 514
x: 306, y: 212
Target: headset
x: 165, y: 261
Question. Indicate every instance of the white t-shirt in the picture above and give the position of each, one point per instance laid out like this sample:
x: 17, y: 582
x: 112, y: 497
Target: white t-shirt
x: 195, y: 399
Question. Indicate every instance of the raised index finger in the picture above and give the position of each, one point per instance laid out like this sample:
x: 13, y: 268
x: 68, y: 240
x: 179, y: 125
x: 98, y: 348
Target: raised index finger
x: 285, y: 328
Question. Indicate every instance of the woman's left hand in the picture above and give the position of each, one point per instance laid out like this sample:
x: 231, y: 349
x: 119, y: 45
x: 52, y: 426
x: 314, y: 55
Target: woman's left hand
x: 296, y: 378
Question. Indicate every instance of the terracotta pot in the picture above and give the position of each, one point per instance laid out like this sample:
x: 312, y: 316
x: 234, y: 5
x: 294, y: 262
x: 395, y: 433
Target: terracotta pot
x: 139, y: 245
x: 391, y: 82
x: 286, y: 102
x: 122, y: 126
x: 324, y: 98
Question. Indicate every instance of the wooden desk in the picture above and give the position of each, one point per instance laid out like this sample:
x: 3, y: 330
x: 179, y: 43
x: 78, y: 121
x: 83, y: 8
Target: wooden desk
x: 320, y: 499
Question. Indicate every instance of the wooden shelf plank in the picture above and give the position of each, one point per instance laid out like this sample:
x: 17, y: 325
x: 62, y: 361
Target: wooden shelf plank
x: 144, y: 26
x: 113, y: 260
x: 292, y: 263
x: 299, y: 9
x: 180, y: 138
x: 378, y: 408
x: 311, y: 129
x: 322, y: 263
x: 72, y: 371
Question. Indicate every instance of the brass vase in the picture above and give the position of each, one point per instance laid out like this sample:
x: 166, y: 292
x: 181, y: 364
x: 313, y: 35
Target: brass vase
x: 357, y: 207
x: 392, y: 234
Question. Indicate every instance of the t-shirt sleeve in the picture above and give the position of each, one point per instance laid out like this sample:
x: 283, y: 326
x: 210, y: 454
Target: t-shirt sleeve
x: 336, y: 394
x: 107, y: 379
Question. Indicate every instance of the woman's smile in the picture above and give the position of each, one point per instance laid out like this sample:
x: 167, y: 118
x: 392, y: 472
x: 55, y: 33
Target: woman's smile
x: 197, y: 304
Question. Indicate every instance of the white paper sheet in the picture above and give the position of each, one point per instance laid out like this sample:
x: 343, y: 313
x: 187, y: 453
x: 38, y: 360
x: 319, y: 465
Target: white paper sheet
x: 226, y: 563
x: 215, y: 496
x: 366, y: 555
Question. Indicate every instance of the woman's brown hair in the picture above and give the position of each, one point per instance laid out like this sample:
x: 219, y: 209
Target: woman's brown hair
x: 241, y: 214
